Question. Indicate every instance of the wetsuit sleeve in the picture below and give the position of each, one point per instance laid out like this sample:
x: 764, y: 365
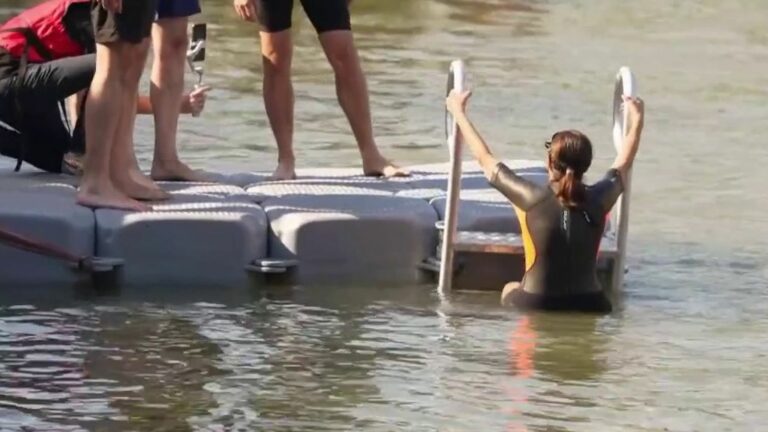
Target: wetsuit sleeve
x: 607, y: 190
x: 523, y: 193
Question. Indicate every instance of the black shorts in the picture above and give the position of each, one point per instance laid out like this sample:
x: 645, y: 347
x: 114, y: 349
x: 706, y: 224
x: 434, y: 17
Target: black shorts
x: 132, y: 25
x: 167, y: 9
x: 325, y: 15
x: 596, y: 302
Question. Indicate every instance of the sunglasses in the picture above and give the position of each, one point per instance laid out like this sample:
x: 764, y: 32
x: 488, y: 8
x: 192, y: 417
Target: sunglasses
x: 548, y: 143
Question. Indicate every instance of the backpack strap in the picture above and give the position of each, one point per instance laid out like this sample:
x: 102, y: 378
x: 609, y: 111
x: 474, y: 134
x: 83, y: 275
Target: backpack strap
x: 31, y: 38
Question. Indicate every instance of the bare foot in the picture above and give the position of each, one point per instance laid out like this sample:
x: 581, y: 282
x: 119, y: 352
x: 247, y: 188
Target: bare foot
x: 175, y: 171
x: 380, y: 167
x: 107, y: 196
x: 138, y: 186
x: 284, y: 171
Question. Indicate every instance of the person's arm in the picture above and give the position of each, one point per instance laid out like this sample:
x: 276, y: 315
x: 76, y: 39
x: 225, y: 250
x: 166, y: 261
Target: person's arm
x: 636, y: 118
x: 522, y: 193
x: 457, y: 104
x: 115, y: 6
x: 608, y: 189
x: 190, y: 103
x: 247, y: 9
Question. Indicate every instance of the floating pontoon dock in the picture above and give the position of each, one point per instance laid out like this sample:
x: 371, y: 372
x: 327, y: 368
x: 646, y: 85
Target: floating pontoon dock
x: 329, y: 226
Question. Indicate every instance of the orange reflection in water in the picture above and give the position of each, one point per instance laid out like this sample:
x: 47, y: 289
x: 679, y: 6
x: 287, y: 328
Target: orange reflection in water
x: 521, y: 348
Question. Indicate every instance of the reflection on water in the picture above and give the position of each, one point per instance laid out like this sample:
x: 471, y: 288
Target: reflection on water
x: 316, y: 362
x: 374, y: 359
x: 684, y: 352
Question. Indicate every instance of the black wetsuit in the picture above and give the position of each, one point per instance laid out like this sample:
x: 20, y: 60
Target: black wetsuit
x: 561, y: 244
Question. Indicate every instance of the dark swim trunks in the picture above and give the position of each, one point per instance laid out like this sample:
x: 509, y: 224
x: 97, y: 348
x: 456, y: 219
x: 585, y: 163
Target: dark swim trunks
x: 561, y: 244
x: 132, y: 25
x: 177, y: 8
x: 325, y: 15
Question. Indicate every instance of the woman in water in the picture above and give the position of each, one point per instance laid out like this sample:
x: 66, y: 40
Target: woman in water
x: 561, y: 223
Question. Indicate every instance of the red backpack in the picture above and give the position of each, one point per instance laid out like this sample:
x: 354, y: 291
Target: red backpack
x: 40, y: 33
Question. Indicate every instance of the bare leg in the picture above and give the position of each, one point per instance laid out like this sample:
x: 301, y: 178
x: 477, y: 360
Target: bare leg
x: 352, y: 92
x: 126, y: 173
x: 506, y: 294
x: 103, y: 112
x: 276, y: 53
x: 170, y: 40
x: 125, y: 169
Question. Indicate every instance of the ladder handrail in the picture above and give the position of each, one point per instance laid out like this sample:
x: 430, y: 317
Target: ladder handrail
x: 457, y: 74
x: 625, y: 85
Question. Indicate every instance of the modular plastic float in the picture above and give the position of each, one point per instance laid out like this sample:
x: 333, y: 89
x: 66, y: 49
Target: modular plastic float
x: 325, y: 228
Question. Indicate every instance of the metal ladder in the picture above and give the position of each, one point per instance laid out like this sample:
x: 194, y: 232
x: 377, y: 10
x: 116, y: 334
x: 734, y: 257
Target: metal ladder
x: 614, y: 242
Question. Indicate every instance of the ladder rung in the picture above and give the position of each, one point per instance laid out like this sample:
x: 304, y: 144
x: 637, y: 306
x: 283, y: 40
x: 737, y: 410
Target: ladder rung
x: 509, y: 243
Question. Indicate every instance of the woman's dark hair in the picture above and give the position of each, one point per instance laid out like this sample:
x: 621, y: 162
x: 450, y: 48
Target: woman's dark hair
x: 570, y: 155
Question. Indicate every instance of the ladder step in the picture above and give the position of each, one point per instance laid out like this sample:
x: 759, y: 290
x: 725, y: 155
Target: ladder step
x: 509, y: 243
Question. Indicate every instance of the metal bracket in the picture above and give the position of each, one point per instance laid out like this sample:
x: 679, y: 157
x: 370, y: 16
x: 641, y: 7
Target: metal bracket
x: 271, y: 266
x: 99, y: 264
x: 431, y: 264
x: 195, y: 49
